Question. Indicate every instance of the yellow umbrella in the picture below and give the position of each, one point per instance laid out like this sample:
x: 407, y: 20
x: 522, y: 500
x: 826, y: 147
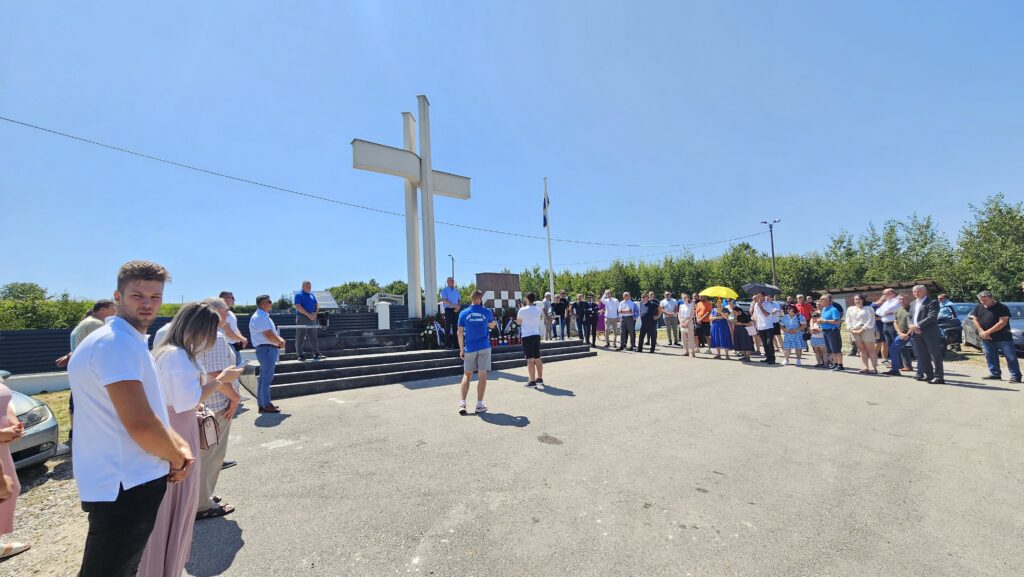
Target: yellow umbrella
x: 721, y: 292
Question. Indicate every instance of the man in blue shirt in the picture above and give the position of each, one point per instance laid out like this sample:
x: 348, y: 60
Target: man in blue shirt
x: 475, y: 324
x: 831, y: 318
x: 450, y: 299
x: 306, y: 308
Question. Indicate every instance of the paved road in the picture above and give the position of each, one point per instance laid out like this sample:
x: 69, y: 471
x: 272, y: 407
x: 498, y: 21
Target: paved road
x: 631, y: 464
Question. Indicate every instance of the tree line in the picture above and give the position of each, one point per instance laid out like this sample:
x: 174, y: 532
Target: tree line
x: 988, y: 253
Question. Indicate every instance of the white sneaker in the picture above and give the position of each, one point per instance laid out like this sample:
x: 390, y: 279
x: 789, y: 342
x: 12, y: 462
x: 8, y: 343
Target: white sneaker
x: 462, y: 407
x: 798, y: 362
x: 481, y: 408
x: 785, y: 362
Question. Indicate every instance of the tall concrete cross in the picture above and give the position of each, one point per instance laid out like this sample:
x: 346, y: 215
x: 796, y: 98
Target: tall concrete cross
x: 417, y: 172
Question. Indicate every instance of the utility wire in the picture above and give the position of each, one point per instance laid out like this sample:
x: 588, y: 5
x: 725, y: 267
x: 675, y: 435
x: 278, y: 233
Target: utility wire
x: 335, y: 201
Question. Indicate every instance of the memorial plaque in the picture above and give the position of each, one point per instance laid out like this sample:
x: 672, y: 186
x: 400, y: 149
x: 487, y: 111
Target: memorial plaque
x: 501, y: 290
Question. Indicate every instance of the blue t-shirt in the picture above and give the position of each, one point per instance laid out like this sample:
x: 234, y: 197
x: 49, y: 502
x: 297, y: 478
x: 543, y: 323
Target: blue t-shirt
x: 474, y: 321
x: 307, y: 300
x: 830, y: 313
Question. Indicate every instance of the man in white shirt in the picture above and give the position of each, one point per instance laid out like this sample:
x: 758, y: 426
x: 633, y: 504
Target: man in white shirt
x: 125, y: 451
x: 765, y: 327
x: 231, y: 332
x: 268, y: 343
x: 628, y: 312
x: 776, y: 316
x: 611, y: 318
x: 545, y: 309
x: 529, y: 320
x: 885, y: 310
x: 669, y: 305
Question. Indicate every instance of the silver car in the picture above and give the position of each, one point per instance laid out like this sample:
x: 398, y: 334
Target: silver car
x: 39, y: 442
x: 1016, y: 328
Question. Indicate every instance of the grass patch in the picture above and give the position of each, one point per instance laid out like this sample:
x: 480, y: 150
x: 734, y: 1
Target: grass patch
x: 58, y: 403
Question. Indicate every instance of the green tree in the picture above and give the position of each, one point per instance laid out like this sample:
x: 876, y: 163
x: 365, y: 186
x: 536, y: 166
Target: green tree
x: 990, y: 251
x: 22, y: 291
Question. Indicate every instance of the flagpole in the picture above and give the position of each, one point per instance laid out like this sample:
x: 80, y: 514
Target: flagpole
x: 547, y: 218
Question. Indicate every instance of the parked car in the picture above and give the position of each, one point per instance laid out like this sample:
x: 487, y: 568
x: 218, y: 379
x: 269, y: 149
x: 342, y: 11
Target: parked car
x: 970, y: 332
x: 951, y: 319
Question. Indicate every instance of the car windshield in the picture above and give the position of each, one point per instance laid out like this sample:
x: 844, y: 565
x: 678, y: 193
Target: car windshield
x: 963, y: 309
x: 1016, y: 311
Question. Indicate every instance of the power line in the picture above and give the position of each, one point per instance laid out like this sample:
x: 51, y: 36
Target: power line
x: 333, y: 200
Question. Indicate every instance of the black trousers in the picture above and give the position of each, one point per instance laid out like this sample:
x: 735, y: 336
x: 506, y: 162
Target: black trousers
x: 649, y: 332
x: 118, y: 530
x: 628, y: 329
x: 583, y: 328
x: 451, y: 322
x: 768, y: 344
x: 592, y: 327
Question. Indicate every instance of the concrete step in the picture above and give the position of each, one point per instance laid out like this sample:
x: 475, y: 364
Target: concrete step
x: 311, y: 387
x: 336, y: 353
x: 408, y: 363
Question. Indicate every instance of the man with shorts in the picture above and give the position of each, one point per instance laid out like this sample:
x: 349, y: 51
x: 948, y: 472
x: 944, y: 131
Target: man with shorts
x: 529, y: 320
x: 831, y: 319
x: 475, y: 324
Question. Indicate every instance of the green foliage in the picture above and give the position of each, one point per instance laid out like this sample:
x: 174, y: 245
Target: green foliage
x: 22, y: 291
x: 59, y: 313
x: 990, y: 251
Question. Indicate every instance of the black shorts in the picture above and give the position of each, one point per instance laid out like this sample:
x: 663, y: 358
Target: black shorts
x: 777, y: 329
x: 833, y: 342
x: 531, y: 347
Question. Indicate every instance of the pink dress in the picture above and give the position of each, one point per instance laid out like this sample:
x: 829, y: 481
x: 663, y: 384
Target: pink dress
x: 171, y: 540
x: 7, y: 507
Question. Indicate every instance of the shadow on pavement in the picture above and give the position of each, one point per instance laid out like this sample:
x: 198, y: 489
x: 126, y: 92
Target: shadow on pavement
x: 271, y: 419
x: 214, y: 547
x: 967, y: 385
x: 555, y: 391
x: 508, y: 376
x: 503, y: 420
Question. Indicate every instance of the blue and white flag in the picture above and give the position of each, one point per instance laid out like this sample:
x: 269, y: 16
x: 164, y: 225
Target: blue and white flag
x: 546, y: 204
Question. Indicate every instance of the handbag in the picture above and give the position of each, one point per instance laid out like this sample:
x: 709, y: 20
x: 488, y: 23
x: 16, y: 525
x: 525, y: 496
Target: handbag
x: 209, y: 430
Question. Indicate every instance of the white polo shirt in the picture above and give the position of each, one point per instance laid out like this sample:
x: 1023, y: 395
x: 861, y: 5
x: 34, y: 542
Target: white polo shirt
x: 233, y: 325
x: 529, y: 321
x: 106, y: 457
x: 762, y: 320
x: 260, y: 321
x: 887, y: 312
x: 611, y: 307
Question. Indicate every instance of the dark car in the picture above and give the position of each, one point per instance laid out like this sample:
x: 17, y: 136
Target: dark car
x: 970, y: 332
x: 951, y: 319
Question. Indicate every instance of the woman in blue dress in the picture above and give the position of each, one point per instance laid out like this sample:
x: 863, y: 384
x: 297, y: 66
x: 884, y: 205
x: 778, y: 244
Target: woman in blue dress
x: 792, y: 324
x: 721, y: 332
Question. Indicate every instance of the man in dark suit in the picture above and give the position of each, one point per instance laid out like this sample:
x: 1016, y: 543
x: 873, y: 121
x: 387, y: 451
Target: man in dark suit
x: 928, y: 343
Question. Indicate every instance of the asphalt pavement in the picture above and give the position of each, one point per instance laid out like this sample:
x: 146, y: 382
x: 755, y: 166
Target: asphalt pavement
x: 631, y: 464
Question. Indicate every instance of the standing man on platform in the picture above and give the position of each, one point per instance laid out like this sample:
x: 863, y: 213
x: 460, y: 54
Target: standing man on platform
x: 628, y: 311
x: 650, y: 312
x: 529, y: 320
x: 450, y: 299
x: 581, y: 314
x: 475, y: 324
x: 611, y: 318
x: 670, y: 307
x: 231, y: 332
x: 268, y: 343
x: 308, y: 330
x: 545, y: 308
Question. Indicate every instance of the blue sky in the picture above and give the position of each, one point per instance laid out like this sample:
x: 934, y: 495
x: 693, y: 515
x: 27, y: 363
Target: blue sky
x: 656, y: 123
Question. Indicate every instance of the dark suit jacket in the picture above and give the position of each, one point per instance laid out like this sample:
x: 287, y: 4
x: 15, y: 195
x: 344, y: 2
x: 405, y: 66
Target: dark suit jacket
x: 929, y: 316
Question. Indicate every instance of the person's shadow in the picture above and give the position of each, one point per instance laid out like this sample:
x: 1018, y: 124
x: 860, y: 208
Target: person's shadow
x: 215, y: 544
x: 271, y: 419
x: 555, y: 391
x: 510, y: 376
x: 504, y: 420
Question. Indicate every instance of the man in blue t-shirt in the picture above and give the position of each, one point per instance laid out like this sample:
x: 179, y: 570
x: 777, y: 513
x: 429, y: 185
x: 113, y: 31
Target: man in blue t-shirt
x: 830, y: 321
x: 307, y: 326
x: 475, y: 324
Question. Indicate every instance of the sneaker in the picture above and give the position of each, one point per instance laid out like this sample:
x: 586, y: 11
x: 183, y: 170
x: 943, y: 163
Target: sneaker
x: 992, y: 377
x: 318, y: 357
x: 1014, y: 379
x: 462, y: 407
x: 302, y: 358
x: 540, y: 382
x: 531, y: 384
x: 480, y: 408
x: 798, y: 362
x: 785, y: 362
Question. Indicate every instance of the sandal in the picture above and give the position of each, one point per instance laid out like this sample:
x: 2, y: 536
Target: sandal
x: 11, y: 549
x: 215, y: 512
x: 862, y: 372
x: 217, y: 498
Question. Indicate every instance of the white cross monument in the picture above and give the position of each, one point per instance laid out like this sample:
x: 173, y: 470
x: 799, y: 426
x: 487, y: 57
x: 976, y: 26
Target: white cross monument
x: 416, y: 171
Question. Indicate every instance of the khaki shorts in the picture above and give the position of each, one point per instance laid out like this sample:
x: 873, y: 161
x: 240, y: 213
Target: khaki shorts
x: 868, y: 336
x: 478, y: 361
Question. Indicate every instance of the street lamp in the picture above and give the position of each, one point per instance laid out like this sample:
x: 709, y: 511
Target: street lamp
x: 453, y: 265
x: 771, y: 233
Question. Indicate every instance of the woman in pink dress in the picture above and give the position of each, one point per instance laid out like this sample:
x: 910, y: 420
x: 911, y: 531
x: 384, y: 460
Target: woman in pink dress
x: 184, y: 384
x: 10, y: 431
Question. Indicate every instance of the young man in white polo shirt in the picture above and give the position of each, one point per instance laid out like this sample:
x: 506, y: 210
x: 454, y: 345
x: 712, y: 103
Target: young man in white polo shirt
x: 125, y: 452
x: 529, y: 320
